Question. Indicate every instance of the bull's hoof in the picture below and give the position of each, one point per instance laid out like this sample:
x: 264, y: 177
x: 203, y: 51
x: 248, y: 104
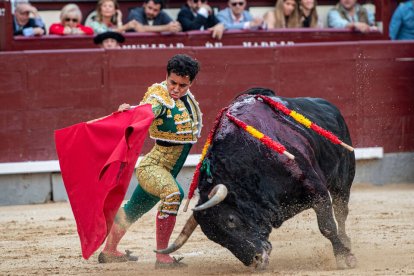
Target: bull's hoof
x: 351, y: 261
x: 346, y: 262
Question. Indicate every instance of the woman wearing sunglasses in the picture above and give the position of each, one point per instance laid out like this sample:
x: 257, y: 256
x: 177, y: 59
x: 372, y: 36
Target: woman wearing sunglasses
x: 70, y: 18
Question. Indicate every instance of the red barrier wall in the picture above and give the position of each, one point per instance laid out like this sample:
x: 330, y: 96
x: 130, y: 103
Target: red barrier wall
x: 195, y: 38
x: 371, y: 82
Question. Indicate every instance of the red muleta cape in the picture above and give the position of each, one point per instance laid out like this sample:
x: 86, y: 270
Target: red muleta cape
x: 97, y: 159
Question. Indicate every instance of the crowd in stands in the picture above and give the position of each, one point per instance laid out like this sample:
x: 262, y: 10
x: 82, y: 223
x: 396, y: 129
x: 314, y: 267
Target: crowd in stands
x: 199, y: 15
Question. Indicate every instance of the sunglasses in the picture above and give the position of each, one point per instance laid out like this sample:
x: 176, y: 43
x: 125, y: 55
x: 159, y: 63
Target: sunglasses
x: 237, y: 3
x: 74, y: 20
x: 202, y: 1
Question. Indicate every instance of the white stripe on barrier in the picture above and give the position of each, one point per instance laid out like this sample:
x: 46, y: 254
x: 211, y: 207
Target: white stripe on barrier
x: 369, y: 153
x: 192, y: 161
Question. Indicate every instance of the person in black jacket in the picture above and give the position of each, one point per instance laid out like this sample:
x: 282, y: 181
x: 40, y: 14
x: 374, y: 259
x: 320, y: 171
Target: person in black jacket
x: 198, y: 15
x: 24, y: 24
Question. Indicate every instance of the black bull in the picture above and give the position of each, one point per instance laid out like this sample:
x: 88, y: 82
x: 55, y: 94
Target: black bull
x: 266, y: 188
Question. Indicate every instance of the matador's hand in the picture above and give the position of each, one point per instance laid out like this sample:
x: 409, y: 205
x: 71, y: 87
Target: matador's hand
x: 124, y: 107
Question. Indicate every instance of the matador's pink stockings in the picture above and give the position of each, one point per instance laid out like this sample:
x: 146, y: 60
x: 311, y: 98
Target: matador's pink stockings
x: 164, y: 228
x: 114, y: 237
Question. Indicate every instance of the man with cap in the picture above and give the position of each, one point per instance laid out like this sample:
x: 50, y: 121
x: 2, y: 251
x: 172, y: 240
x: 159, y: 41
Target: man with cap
x: 24, y: 24
x: 109, y: 40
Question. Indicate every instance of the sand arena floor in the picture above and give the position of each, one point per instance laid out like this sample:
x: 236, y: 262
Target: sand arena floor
x: 42, y: 240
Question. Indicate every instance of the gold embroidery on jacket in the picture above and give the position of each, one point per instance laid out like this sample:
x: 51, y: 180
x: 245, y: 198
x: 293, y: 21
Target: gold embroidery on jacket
x: 182, y: 118
x: 174, y: 137
x: 173, y: 123
x: 160, y: 93
x: 184, y: 127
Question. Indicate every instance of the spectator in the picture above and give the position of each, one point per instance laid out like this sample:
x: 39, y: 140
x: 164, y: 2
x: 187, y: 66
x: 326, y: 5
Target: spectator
x: 198, y: 15
x: 235, y: 16
x: 283, y: 16
x: 109, y: 18
x: 308, y: 16
x: 109, y: 40
x: 70, y: 18
x: 27, y: 21
x: 153, y: 18
x: 402, y: 21
x: 349, y: 14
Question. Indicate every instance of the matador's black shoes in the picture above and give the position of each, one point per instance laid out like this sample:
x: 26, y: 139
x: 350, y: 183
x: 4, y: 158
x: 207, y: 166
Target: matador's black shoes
x: 107, y: 258
x: 175, y: 264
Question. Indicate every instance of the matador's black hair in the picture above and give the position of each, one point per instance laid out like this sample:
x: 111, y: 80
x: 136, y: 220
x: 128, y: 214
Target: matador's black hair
x: 183, y: 66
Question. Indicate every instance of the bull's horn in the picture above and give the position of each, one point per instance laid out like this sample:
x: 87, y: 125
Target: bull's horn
x: 188, y: 229
x: 217, y: 195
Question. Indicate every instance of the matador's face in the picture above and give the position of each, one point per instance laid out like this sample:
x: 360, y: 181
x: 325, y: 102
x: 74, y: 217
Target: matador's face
x: 177, y: 85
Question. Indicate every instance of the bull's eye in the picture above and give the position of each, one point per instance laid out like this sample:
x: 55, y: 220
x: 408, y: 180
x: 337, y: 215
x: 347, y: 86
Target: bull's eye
x: 231, y: 222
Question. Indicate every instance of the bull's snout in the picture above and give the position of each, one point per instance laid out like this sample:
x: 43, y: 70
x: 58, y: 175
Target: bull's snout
x: 260, y: 260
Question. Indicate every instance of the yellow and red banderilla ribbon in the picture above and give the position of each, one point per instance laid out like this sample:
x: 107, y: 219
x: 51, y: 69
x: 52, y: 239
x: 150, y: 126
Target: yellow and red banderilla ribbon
x: 264, y: 139
x: 196, y: 175
x: 305, y: 121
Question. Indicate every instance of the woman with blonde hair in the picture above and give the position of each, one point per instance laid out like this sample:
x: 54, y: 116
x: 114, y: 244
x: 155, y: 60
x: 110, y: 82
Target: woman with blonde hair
x: 70, y: 18
x: 308, y: 16
x: 283, y: 16
x: 109, y: 18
